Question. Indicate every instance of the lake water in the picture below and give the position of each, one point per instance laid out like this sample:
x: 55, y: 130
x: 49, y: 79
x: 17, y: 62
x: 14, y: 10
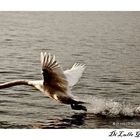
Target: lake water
x: 107, y: 42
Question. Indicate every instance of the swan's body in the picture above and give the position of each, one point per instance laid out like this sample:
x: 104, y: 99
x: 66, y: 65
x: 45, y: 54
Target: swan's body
x: 56, y: 83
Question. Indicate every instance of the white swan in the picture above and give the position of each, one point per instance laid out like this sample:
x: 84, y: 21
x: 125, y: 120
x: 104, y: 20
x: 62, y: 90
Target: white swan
x: 56, y: 83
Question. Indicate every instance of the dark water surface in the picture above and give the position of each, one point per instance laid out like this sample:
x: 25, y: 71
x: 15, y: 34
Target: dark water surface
x: 107, y: 42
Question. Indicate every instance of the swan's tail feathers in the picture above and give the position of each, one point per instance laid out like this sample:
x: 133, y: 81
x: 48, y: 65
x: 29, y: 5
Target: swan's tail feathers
x: 74, y: 74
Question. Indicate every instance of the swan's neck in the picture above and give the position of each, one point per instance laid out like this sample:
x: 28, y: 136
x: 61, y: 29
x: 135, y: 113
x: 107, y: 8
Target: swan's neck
x: 14, y: 83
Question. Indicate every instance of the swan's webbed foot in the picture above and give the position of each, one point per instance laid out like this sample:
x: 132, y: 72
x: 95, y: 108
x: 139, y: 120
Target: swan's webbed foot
x: 78, y: 107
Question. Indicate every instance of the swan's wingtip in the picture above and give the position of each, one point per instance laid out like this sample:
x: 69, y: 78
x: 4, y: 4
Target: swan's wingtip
x: 79, y: 65
x: 49, y: 60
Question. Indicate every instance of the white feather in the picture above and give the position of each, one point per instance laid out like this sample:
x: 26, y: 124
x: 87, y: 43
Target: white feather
x: 74, y: 74
x: 59, y: 87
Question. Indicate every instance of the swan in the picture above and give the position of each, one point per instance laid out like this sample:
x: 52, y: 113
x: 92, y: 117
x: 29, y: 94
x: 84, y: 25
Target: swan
x: 56, y: 83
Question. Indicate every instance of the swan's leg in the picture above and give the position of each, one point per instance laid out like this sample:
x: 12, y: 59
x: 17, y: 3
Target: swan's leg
x: 78, y: 107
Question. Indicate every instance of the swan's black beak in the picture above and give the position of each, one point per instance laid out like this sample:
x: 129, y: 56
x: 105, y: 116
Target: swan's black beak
x: 78, y: 107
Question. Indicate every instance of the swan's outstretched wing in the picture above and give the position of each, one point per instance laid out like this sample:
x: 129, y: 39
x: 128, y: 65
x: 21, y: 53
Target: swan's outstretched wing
x: 73, y: 75
x: 53, y: 76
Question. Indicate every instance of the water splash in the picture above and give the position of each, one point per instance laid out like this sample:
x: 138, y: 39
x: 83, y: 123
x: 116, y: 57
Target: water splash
x: 111, y: 108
